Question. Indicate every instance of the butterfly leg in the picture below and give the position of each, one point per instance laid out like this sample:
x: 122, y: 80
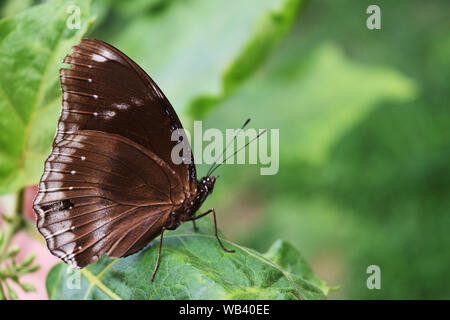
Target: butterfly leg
x: 215, y: 233
x: 159, y: 254
x: 195, y: 226
x: 215, y: 227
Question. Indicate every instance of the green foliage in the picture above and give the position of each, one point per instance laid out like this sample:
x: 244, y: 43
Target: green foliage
x: 268, y: 32
x: 10, y: 269
x: 12, y: 7
x: 324, y: 93
x: 193, y: 266
x: 379, y: 193
x: 32, y: 44
x: 198, y: 50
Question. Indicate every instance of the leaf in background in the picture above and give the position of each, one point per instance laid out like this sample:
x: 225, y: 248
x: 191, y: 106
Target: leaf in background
x: 313, y: 99
x: 32, y: 44
x: 203, y: 48
x: 387, y: 179
x: 193, y: 266
x: 12, y: 7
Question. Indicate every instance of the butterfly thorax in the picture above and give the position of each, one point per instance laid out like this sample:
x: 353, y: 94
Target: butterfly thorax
x: 191, y: 205
x: 204, y: 188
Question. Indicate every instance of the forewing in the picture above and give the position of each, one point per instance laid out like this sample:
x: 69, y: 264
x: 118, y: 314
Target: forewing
x: 104, y: 90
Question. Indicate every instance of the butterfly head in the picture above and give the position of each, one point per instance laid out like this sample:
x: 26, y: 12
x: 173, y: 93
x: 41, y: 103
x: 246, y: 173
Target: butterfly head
x: 208, y: 183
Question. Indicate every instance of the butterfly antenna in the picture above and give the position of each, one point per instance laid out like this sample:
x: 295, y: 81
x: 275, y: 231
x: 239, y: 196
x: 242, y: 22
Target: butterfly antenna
x: 255, y: 138
x: 226, y: 147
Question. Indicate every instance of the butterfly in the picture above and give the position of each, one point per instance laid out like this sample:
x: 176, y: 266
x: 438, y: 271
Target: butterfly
x: 109, y: 185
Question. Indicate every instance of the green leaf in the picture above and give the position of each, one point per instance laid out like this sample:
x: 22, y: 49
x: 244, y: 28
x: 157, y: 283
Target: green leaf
x: 2, y: 292
x: 12, y: 7
x: 32, y: 44
x: 28, y: 260
x: 200, y: 50
x: 287, y: 257
x: 27, y: 287
x: 33, y: 269
x: 11, y: 293
x: 314, y: 98
x: 193, y: 266
x: 12, y: 251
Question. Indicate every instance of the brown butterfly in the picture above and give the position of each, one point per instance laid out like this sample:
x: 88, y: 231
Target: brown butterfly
x: 109, y: 184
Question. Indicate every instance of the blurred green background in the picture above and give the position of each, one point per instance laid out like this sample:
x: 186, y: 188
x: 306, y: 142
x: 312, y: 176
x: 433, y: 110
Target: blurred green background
x: 363, y: 116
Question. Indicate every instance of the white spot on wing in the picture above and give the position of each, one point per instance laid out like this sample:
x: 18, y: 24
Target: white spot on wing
x: 137, y: 101
x: 98, y: 58
x: 120, y: 106
x: 107, y: 54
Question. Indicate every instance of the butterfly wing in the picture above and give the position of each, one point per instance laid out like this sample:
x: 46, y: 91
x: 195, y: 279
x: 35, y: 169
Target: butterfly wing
x: 101, y: 192
x: 109, y: 184
x: 105, y: 90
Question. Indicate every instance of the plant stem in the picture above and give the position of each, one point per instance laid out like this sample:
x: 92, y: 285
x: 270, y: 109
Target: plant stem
x: 2, y: 292
x: 31, y: 230
x: 13, y: 222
